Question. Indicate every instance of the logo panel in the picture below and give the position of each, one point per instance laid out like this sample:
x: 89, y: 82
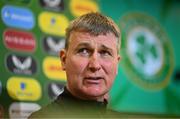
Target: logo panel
x: 22, y: 110
x: 55, y: 89
x: 80, y: 7
x: 53, y: 45
x: 57, y: 5
x: 149, y: 59
x: 21, y: 64
x: 53, y: 69
x: 21, y: 41
x: 24, y: 89
x: 52, y: 23
x: 18, y: 17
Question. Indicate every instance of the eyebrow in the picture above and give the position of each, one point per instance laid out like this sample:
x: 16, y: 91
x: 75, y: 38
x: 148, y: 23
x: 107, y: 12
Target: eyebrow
x: 81, y: 45
x: 107, y: 48
x: 86, y: 44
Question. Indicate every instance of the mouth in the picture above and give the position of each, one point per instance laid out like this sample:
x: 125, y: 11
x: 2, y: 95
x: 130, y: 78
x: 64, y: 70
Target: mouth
x: 93, y: 80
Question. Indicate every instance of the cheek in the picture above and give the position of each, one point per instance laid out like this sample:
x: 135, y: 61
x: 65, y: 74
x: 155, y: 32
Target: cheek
x: 110, y: 68
x: 76, y: 65
x: 110, y: 82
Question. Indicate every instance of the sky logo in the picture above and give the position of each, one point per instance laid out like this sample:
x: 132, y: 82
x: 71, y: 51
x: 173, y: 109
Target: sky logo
x: 17, y: 17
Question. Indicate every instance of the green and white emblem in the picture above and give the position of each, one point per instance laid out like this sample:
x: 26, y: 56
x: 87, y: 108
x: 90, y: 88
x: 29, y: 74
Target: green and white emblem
x: 147, y: 55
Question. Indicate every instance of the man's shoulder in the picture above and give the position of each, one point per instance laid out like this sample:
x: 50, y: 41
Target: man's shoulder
x: 56, y: 110
x: 50, y: 110
x: 112, y: 113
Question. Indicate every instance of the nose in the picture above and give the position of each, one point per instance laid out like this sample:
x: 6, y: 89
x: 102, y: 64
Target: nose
x: 94, y: 64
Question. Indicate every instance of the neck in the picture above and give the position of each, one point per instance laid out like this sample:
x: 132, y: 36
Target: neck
x: 102, y: 98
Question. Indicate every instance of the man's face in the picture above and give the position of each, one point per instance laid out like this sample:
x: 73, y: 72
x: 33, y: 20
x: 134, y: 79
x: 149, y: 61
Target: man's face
x: 91, y: 64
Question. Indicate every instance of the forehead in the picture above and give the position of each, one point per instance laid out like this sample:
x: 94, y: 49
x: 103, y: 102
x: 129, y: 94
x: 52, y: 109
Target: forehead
x: 77, y: 38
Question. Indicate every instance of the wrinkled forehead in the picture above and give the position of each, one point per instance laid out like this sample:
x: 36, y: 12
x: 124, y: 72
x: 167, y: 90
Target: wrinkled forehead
x: 86, y: 39
x: 85, y: 36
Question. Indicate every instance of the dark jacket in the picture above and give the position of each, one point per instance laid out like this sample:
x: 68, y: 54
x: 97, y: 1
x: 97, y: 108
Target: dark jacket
x: 68, y: 106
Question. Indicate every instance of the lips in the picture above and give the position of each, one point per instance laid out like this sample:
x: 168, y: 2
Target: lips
x: 93, y: 80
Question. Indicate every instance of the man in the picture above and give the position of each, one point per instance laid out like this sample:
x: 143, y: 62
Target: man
x: 90, y: 59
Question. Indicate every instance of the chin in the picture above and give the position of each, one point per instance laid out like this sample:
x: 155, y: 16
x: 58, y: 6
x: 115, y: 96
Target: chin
x: 95, y: 93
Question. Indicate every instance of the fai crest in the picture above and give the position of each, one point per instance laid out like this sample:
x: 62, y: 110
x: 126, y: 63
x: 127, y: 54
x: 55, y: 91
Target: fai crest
x: 147, y: 53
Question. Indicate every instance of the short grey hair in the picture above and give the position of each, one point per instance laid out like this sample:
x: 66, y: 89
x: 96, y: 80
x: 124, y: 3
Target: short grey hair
x: 94, y: 24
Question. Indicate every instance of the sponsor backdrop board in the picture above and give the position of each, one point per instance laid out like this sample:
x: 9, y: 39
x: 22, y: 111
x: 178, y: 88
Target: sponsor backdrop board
x: 32, y: 33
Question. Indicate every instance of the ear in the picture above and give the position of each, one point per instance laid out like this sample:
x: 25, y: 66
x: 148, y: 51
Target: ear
x: 118, y: 58
x: 62, y: 55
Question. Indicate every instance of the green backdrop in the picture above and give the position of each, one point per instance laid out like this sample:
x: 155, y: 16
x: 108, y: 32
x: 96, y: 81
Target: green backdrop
x: 148, y: 81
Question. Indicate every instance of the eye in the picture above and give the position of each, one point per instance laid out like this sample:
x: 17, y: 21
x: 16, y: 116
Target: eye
x: 84, y: 52
x: 105, y: 53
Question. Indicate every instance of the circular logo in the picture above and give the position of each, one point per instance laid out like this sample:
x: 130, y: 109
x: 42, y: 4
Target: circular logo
x: 147, y: 54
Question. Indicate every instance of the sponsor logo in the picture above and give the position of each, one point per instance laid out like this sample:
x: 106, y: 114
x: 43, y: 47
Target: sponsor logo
x: 53, y: 69
x: 18, y: 17
x: 21, y: 41
x: 53, y: 45
x: 22, y: 110
x: 55, y: 89
x: 80, y: 7
x: 52, y: 23
x: 23, y: 89
x: 53, y: 4
x: 21, y: 64
x: 147, y: 51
